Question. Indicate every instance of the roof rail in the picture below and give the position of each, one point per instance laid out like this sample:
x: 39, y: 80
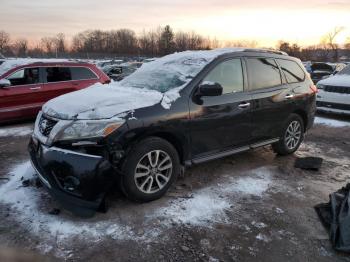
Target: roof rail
x: 278, y: 52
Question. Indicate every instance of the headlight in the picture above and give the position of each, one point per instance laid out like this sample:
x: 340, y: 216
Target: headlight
x: 319, y: 86
x: 83, y: 129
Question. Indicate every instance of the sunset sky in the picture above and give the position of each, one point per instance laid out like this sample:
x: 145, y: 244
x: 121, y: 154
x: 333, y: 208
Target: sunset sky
x: 265, y: 21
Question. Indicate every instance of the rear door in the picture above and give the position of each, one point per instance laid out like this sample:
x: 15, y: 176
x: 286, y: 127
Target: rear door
x: 23, y: 99
x: 83, y: 77
x: 272, y: 97
x: 221, y: 123
x: 57, y: 81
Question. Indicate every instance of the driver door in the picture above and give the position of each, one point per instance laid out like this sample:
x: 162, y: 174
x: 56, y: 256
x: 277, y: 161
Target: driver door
x: 221, y: 123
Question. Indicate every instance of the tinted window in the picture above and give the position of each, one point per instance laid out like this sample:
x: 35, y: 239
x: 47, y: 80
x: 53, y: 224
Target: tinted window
x: 82, y: 73
x: 345, y: 71
x: 25, y: 76
x: 292, y: 71
x: 263, y: 73
x: 58, y: 74
x: 229, y: 75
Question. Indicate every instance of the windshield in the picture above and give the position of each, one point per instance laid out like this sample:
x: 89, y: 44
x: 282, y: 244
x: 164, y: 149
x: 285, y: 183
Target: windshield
x: 345, y: 71
x: 167, y: 73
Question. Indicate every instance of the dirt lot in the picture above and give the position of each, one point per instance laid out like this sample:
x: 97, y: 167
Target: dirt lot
x: 248, y: 207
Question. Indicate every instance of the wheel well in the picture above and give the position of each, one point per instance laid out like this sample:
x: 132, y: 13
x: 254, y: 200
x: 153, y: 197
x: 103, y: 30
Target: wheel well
x: 172, y: 139
x: 303, y: 115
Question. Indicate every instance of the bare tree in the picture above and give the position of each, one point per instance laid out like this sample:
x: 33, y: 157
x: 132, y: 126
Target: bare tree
x: 328, y: 44
x: 21, y: 47
x: 60, y: 44
x: 4, y: 41
x: 48, y: 45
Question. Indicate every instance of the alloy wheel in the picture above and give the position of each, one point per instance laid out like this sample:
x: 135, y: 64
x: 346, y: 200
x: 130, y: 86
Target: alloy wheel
x: 153, y: 171
x: 293, y: 135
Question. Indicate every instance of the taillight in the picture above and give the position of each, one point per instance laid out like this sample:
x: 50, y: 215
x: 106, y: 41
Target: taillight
x: 314, y: 89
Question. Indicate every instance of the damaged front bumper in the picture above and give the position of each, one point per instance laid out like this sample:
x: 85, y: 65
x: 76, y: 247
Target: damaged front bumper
x: 78, y: 181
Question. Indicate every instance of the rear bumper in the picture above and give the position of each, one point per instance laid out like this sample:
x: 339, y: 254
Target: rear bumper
x: 78, y: 181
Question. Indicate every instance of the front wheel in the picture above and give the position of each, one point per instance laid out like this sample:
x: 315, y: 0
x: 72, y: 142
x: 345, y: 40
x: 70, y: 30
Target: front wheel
x: 150, y: 169
x: 292, y: 136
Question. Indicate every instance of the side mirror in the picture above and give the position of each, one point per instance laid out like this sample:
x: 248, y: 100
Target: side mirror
x: 209, y: 89
x: 4, y: 83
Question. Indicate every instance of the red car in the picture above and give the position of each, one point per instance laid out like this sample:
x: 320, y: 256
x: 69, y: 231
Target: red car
x: 26, y: 86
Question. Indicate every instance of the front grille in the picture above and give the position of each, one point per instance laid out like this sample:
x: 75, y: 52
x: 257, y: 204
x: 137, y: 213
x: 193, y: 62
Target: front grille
x: 337, y: 89
x: 46, y: 125
x: 333, y: 105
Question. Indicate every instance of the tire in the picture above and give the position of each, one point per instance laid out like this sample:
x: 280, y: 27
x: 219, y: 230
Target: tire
x: 290, y: 141
x: 150, y: 159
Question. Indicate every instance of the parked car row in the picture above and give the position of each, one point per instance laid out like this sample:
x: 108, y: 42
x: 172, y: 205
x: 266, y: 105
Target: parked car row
x: 118, y: 72
x: 321, y: 70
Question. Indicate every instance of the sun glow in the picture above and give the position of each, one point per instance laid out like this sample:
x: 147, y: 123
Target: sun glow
x: 269, y: 26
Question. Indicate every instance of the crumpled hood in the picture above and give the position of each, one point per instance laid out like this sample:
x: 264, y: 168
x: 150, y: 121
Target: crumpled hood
x: 336, y: 80
x: 100, y: 102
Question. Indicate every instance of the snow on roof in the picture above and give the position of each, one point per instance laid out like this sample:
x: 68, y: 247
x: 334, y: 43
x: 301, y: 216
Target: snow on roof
x: 13, y: 63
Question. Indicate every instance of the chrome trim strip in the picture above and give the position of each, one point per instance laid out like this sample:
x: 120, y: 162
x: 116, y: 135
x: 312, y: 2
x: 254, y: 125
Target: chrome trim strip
x: 40, y: 176
x: 264, y: 143
x: 66, y: 151
x: 220, y: 155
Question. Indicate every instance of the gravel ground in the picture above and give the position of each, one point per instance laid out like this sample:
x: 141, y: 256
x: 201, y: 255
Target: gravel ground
x: 253, y: 206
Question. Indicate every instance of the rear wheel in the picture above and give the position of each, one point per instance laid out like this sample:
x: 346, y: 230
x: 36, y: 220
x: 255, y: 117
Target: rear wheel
x: 292, y: 136
x: 150, y: 169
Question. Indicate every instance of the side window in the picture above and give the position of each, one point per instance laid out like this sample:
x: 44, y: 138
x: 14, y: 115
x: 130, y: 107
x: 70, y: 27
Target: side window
x: 117, y: 70
x: 292, y: 71
x: 263, y: 73
x: 26, y: 76
x: 82, y: 73
x: 229, y: 75
x: 58, y: 74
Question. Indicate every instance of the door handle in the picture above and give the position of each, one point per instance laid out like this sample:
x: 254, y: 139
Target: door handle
x: 244, y: 105
x: 289, y: 96
x: 35, y: 88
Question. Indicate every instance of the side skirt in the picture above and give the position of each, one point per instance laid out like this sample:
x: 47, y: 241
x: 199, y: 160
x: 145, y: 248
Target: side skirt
x: 230, y: 152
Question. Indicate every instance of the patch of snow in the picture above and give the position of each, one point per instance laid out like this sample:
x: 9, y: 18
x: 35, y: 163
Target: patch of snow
x: 331, y: 122
x: 263, y: 238
x: 100, y: 101
x: 209, y: 83
x: 259, y: 224
x: 15, y: 131
x: 279, y: 211
x: 209, y: 204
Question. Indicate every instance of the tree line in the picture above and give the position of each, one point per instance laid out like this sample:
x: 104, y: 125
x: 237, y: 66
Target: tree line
x: 152, y: 43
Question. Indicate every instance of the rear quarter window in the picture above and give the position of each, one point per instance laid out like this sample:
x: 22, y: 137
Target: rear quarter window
x: 293, y: 72
x: 263, y: 73
x: 82, y: 73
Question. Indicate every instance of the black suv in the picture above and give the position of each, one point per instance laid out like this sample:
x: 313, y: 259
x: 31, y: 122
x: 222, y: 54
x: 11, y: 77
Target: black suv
x: 182, y: 109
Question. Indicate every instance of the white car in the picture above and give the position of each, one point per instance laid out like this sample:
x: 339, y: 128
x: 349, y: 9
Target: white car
x: 334, y: 93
